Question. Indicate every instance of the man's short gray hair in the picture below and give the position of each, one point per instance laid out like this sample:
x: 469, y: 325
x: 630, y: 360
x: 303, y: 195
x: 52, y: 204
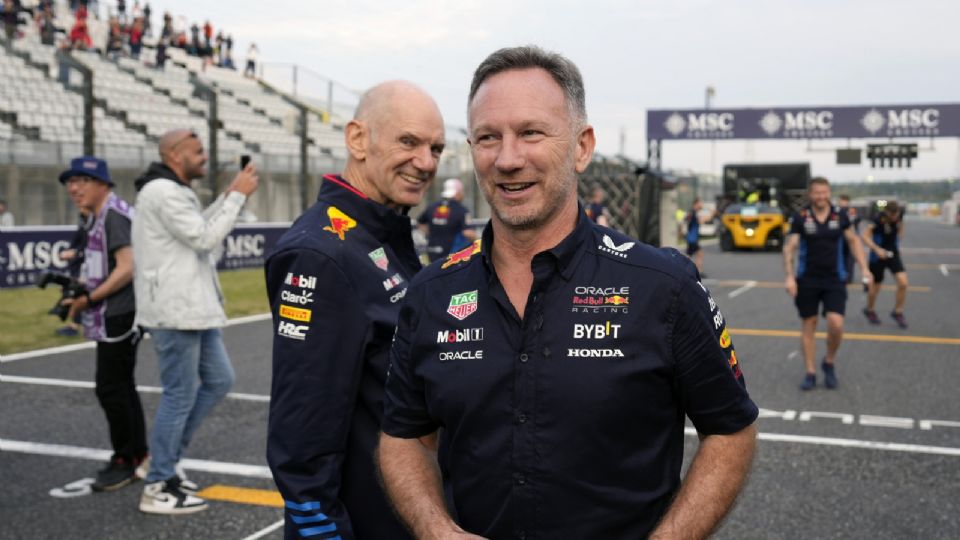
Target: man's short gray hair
x: 563, y: 71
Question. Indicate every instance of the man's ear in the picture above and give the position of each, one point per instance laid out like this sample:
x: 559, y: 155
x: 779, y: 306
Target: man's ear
x: 357, y: 138
x: 586, y: 142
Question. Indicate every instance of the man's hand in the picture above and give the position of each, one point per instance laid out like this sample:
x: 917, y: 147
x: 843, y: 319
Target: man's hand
x: 246, y: 181
x: 76, y: 305
x: 791, y: 285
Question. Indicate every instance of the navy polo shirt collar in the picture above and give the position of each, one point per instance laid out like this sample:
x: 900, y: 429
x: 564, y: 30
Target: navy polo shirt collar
x: 565, y: 255
x: 381, y: 222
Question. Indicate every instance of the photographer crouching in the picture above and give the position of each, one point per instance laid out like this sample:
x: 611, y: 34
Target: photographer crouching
x: 107, y: 309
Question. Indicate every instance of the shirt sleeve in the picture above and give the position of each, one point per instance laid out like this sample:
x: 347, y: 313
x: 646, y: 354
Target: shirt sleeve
x: 201, y: 231
x: 118, y: 231
x: 404, y: 403
x: 319, y: 335
x: 796, y: 223
x: 712, y: 390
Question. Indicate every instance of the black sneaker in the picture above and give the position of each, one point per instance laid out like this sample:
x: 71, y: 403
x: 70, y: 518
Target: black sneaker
x: 829, y: 375
x: 166, y: 497
x: 809, y: 382
x: 901, y: 321
x: 115, y: 475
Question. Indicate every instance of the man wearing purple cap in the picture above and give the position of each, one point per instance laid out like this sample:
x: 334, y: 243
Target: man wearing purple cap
x: 107, y: 310
x: 445, y: 222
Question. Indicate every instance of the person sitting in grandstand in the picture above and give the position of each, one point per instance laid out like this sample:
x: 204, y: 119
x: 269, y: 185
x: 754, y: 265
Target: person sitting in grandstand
x: 79, y: 37
x: 11, y: 19
x: 6, y: 216
x: 114, y: 46
x: 882, y: 237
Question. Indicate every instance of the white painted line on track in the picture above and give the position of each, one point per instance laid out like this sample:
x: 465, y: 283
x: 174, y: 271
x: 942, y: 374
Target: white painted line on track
x: 944, y: 270
x: 852, y: 443
x: 91, y: 344
x: 737, y: 292
x: 97, y: 454
x: 265, y: 531
x: 70, y: 383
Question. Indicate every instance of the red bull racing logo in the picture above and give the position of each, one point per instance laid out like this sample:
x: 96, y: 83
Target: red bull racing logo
x: 340, y: 223
x: 462, y: 256
x: 601, y: 299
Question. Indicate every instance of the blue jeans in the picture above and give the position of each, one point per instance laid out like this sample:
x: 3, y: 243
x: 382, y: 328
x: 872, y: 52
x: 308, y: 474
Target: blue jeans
x: 195, y: 373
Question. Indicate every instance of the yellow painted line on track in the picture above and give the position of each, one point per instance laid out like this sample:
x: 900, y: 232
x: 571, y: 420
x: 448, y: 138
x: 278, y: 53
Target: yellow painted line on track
x: 779, y: 285
x: 849, y: 336
x: 258, y: 497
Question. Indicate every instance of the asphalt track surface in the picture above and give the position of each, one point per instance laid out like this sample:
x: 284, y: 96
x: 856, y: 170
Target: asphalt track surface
x: 877, y: 458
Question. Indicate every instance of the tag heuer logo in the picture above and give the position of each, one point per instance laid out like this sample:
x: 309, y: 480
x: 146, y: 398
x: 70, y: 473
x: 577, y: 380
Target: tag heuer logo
x: 463, y: 305
x: 379, y: 258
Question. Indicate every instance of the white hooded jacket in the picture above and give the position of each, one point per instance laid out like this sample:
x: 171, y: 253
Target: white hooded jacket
x: 175, y: 249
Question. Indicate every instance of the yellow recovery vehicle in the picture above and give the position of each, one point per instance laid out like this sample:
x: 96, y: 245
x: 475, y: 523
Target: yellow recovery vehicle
x: 757, y: 201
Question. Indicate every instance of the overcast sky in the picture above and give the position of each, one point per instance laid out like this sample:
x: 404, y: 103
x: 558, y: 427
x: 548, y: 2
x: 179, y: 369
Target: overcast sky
x: 634, y: 55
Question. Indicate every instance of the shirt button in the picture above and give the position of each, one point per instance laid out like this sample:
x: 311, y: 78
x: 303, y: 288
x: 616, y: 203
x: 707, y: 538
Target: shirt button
x: 521, y: 480
x: 521, y: 418
x: 524, y: 357
x: 522, y: 535
x: 546, y: 351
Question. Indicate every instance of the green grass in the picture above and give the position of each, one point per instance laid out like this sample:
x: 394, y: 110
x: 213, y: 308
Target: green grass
x: 25, y: 325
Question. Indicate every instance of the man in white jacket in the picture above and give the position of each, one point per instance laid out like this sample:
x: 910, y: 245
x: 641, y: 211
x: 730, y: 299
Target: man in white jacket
x: 175, y: 245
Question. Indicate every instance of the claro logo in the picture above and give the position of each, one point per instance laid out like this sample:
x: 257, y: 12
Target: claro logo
x: 40, y: 255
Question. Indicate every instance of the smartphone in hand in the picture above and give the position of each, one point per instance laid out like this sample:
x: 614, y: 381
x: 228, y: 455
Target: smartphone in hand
x: 244, y: 161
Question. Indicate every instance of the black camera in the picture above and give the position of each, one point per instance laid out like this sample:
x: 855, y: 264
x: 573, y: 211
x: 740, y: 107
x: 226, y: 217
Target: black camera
x: 70, y: 288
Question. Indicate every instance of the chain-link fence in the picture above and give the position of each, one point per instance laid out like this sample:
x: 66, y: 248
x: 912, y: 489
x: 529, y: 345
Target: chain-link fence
x: 29, y: 171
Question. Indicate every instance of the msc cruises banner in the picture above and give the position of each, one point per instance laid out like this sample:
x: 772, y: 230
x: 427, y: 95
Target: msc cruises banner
x: 877, y: 121
x: 27, y: 252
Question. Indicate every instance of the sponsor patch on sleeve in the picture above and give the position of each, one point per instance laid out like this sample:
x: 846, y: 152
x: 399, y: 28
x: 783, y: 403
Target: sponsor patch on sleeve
x: 295, y: 314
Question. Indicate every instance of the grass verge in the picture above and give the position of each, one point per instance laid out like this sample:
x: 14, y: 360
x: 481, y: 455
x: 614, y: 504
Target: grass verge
x: 25, y: 325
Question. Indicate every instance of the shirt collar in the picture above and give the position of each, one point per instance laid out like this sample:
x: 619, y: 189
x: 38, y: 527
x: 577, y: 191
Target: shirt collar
x: 564, y: 255
x: 381, y: 222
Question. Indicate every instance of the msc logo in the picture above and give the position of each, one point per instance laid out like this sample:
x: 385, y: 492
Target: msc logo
x: 902, y: 121
x: 702, y: 124
x: 302, y: 299
x: 596, y: 331
x: 594, y: 353
x: 460, y: 336
x: 296, y: 314
x: 304, y: 282
x: 292, y: 331
x: 35, y: 255
x: 245, y: 245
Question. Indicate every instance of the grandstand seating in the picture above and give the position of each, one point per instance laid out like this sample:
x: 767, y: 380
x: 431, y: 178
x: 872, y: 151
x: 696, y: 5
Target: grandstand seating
x: 136, y: 103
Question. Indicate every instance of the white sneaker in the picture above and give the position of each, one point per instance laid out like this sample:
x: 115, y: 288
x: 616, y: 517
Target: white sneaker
x: 166, y: 497
x: 143, y: 468
x: 187, y: 485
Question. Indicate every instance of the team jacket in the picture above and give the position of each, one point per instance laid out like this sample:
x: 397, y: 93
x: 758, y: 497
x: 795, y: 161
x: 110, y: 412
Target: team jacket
x: 569, y: 422
x: 335, y: 282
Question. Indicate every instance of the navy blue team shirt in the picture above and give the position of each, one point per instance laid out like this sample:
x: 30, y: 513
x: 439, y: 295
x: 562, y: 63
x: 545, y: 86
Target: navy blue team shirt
x: 335, y: 282
x: 820, y: 260
x: 447, y: 219
x: 568, y: 423
x: 886, y: 234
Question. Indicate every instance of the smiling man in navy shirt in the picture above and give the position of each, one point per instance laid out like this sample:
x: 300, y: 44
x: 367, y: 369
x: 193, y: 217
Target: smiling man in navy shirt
x: 559, y: 358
